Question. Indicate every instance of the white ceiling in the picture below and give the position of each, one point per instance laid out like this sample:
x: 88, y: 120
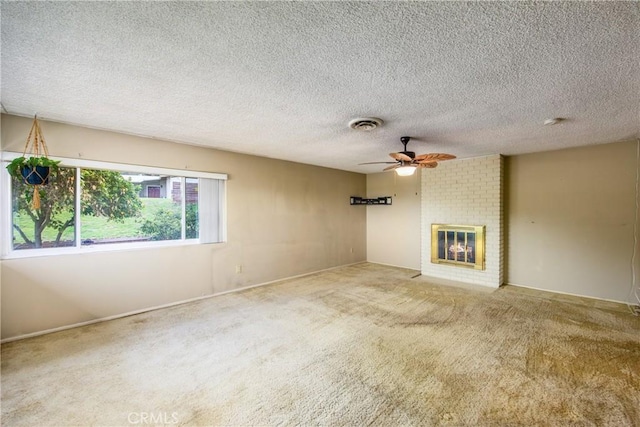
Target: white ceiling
x: 283, y: 79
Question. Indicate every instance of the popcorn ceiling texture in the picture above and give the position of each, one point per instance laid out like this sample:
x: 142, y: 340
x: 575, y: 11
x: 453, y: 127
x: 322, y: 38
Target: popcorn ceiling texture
x: 283, y: 79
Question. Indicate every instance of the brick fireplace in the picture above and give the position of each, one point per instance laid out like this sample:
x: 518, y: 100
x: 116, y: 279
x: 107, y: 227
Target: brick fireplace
x: 465, y: 192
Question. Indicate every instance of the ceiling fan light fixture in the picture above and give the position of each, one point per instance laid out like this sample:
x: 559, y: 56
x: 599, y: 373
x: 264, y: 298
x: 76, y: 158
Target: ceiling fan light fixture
x: 406, y: 170
x: 406, y: 162
x: 365, y: 123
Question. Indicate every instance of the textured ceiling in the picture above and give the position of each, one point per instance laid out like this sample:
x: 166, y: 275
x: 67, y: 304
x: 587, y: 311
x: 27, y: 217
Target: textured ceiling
x: 283, y: 79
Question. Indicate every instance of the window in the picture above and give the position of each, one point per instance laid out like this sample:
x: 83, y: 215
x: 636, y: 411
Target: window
x: 96, y: 205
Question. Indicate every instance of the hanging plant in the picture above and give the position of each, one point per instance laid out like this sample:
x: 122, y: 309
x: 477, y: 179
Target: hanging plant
x: 34, y: 170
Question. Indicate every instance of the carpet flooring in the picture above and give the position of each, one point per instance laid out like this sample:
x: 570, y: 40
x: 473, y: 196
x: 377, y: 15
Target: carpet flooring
x: 355, y: 346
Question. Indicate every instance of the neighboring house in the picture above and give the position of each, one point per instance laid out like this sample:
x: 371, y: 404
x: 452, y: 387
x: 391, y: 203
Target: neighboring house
x: 153, y: 187
x: 163, y: 187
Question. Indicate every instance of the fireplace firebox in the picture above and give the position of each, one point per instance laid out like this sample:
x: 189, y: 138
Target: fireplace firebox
x: 459, y: 245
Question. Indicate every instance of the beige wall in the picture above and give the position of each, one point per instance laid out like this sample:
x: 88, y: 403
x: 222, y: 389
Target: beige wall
x: 284, y: 219
x: 393, y: 232
x: 570, y: 220
x: 569, y: 228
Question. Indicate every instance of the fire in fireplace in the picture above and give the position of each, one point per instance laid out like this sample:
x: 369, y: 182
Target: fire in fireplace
x: 460, y: 245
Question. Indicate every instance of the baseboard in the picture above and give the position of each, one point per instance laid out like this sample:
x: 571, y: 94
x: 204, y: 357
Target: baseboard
x: 160, y: 307
x: 394, y: 265
x: 567, y: 293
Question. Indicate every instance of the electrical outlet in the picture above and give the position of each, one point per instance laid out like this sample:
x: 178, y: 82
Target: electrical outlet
x: 238, y: 269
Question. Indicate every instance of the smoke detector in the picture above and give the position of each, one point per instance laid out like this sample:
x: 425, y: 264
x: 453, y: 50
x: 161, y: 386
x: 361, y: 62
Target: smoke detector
x: 365, y: 123
x: 553, y: 121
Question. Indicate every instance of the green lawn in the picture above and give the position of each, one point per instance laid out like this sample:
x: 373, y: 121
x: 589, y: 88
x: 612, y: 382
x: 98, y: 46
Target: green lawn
x: 96, y: 228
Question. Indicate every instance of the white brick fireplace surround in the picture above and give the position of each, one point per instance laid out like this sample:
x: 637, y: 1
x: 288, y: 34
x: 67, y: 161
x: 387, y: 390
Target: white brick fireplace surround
x: 465, y: 192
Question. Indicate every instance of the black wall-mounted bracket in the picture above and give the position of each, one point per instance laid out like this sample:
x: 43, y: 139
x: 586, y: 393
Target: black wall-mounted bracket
x: 386, y: 200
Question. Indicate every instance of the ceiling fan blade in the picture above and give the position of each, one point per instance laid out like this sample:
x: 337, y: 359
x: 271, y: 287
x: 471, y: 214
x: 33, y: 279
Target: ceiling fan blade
x: 428, y: 164
x: 401, y: 157
x: 388, y: 168
x: 434, y: 156
x: 377, y: 163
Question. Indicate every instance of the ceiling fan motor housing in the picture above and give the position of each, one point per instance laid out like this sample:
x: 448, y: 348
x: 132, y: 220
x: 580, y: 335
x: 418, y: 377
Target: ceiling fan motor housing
x: 405, y: 140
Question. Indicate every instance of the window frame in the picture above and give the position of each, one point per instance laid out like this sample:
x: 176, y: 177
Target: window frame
x: 7, y: 252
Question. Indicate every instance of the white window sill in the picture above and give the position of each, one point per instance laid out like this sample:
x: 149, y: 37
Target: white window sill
x: 112, y: 247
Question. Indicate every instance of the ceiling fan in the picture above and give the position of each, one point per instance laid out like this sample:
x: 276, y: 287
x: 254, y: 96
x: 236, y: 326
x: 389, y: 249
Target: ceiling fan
x: 406, y: 162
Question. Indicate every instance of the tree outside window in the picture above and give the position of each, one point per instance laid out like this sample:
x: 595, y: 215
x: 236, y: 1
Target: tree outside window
x: 114, y: 207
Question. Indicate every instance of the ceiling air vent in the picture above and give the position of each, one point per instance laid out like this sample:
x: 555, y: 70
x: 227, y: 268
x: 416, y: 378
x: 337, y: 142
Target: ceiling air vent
x: 365, y: 124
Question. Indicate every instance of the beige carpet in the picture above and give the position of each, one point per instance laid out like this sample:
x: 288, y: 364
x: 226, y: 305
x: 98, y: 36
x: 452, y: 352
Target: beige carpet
x: 356, y: 346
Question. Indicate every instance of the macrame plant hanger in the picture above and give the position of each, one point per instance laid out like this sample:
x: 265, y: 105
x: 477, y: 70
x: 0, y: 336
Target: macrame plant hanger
x: 36, y: 141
